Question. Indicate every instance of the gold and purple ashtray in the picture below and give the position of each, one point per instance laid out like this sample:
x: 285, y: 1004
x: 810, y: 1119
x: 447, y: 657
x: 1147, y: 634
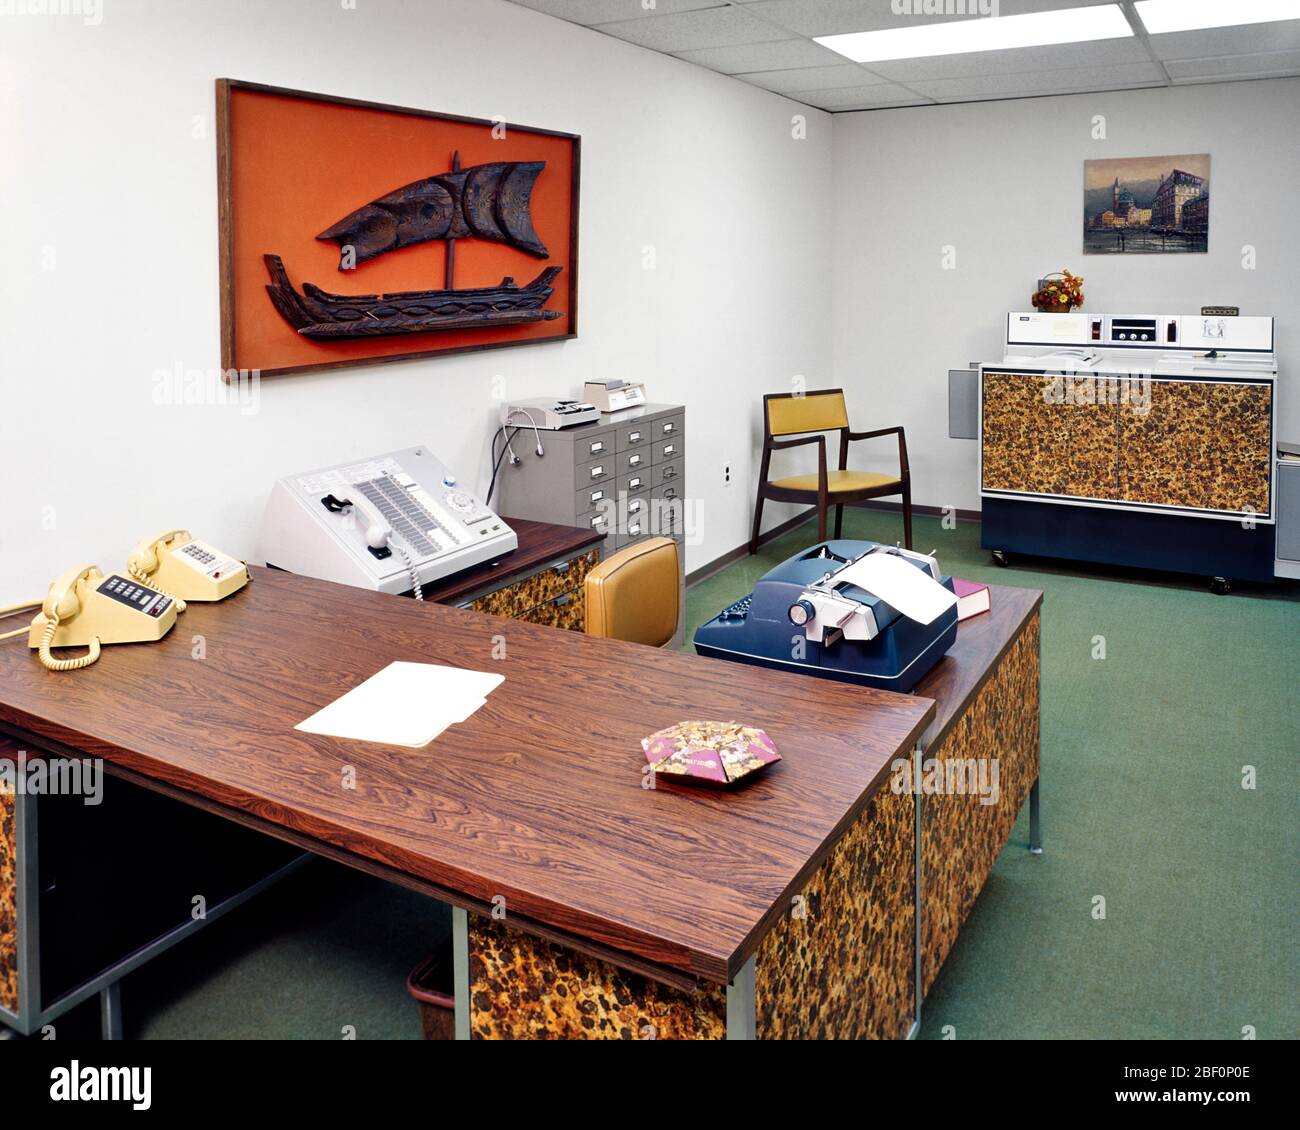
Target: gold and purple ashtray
x: 716, y: 753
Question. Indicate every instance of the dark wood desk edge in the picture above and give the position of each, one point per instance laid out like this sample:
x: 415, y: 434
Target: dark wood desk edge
x: 540, y: 544
x: 930, y: 741
x: 675, y: 978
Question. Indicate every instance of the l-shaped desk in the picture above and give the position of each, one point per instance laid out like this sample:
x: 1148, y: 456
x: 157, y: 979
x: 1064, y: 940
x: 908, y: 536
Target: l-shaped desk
x: 584, y: 904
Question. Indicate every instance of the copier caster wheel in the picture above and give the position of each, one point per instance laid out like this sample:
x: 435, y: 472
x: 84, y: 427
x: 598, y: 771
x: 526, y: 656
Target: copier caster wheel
x: 1220, y: 586
x: 1000, y: 558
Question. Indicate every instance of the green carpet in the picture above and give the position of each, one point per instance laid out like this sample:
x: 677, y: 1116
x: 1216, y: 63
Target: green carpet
x: 1143, y: 754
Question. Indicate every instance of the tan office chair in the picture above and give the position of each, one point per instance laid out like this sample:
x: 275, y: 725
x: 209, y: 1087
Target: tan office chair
x: 786, y: 414
x: 636, y: 594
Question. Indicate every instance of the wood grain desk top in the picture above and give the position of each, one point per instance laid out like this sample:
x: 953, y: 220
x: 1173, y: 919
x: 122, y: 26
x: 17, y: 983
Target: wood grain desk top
x: 536, y: 798
x: 539, y: 542
x: 957, y: 677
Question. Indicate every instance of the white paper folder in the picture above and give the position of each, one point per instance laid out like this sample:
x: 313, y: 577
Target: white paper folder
x: 406, y: 704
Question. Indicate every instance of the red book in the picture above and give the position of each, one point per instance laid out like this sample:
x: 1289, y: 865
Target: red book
x: 972, y: 598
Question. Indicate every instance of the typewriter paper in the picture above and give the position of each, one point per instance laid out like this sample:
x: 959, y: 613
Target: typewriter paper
x: 901, y: 585
x: 406, y: 704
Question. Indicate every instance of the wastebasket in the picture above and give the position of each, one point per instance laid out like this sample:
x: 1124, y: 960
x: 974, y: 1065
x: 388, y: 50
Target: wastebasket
x: 432, y: 983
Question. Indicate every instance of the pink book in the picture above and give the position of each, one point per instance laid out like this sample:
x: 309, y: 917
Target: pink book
x: 972, y: 598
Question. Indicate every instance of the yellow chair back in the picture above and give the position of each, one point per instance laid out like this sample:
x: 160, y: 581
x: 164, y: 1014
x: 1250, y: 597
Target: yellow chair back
x: 812, y: 412
x: 635, y: 595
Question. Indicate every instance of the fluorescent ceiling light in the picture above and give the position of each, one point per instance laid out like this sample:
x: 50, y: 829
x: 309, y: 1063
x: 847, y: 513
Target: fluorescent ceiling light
x: 1161, y: 16
x: 983, y: 33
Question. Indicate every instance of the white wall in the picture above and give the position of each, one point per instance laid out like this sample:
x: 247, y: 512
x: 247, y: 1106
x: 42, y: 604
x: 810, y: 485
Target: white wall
x: 1002, y: 183
x: 110, y: 259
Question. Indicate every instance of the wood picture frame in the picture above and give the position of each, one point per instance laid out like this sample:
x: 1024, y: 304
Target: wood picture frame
x: 282, y: 178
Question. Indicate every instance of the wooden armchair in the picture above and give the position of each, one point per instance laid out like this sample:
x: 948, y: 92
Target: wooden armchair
x: 788, y: 414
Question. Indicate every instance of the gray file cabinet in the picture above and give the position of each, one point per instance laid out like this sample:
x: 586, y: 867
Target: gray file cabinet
x: 624, y: 476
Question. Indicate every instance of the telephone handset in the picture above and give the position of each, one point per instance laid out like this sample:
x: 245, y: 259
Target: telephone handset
x: 176, y: 563
x: 85, y: 608
x: 375, y: 531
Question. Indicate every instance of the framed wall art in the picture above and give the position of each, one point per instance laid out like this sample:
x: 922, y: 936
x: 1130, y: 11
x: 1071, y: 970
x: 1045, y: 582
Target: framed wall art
x: 356, y: 232
x: 1146, y: 205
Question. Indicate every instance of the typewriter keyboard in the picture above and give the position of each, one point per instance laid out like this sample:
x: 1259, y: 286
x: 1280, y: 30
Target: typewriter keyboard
x: 737, y: 611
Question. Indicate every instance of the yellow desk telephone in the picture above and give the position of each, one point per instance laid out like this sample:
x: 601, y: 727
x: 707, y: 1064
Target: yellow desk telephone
x: 176, y: 563
x: 85, y: 608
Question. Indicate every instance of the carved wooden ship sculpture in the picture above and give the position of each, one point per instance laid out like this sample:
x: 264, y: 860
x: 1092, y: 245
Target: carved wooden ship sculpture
x: 491, y: 202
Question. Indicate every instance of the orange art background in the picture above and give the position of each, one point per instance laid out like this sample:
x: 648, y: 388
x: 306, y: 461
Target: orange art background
x: 298, y: 165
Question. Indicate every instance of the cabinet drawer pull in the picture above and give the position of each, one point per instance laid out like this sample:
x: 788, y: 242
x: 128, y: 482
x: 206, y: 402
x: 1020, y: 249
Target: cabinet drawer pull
x: 563, y: 566
x: 634, y: 461
x: 671, y: 492
x: 669, y: 448
x: 633, y: 437
x: 598, y: 472
x: 669, y: 428
x: 670, y: 472
x: 596, y: 496
x: 562, y: 600
x: 597, y: 447
x: 634, y: 483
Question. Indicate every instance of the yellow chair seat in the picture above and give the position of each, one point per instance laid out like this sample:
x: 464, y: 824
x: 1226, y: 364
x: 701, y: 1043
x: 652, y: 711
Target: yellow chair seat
x: 839, y: 481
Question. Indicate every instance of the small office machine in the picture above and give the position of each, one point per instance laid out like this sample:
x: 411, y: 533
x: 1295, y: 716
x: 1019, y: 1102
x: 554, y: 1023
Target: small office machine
x: 392, y: 523
x: 548, y: 414
x: 1135, y: 439
x: 614, y: 395
x: 816, y: 613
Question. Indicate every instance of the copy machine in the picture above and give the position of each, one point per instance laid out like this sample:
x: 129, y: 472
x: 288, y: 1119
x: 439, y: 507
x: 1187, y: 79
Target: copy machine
x: 816, y: 614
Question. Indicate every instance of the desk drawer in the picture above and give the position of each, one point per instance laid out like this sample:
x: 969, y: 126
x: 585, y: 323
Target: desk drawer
x: 591, y: 497
x: 568, y: 611
x: 595, y: 471
x: 633, y: 436
x: 634, y: 482
x: 669, y: 427
x: 589, y: 447
x: 670, y: 473
x: 666, y: 450
x: 637, y: 459
x: 524, y: 595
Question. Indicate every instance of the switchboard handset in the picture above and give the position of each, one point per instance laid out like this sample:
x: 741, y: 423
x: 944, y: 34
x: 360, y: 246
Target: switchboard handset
x: 378, y: 534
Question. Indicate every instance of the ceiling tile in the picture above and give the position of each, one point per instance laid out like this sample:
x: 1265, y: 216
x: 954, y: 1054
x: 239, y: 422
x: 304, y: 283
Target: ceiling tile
x: 1226, y: 66
x: 832, y: 17
x: 1060, y: 81
x: 1099, y: 54
x: 763, y: 56
x: 808, y: 78
x: 604, y: 11
x: 687, y: 31
x: 1251, y: 39
x: 857, y: 97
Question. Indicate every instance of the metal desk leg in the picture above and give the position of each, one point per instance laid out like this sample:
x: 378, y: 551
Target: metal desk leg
x: 110, y: 1011
x: 460, y: 969
x: 741, y: 1004
x: 1035, y: 825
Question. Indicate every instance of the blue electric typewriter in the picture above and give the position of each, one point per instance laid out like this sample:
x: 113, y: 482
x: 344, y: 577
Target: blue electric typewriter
x: 801, y: 618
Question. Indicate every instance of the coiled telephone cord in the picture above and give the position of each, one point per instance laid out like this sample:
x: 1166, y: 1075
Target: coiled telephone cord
x: 417, y: 589
x: 143, y: 577
x: 65, y: 664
